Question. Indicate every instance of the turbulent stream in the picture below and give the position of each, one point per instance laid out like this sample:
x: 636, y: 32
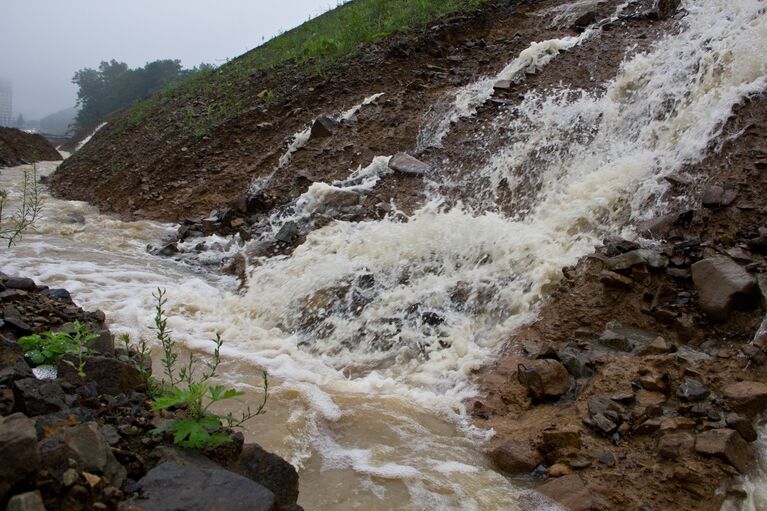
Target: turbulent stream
x: 371, y: 331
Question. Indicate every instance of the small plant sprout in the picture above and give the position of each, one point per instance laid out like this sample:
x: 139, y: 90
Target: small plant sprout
x: 50, y: 347
x: 13, y: 227
x: 195, y: 394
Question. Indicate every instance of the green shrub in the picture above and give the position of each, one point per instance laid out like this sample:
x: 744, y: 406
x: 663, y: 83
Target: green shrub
x: 182, y: 388
x: 49, y: 347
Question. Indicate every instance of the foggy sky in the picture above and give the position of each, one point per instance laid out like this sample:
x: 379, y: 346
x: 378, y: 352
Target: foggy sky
x: 43, y: 42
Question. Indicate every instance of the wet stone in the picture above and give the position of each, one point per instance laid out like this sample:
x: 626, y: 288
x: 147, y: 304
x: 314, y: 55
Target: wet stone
x: 692, y: 391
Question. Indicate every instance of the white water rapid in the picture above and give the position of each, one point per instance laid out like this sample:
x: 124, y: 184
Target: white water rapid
x: 371, y: 331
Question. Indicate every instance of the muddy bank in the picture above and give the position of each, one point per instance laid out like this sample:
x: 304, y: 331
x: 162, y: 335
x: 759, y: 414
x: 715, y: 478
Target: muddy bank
x: 18, y: 148
x: 641, y: 382
x: 75, y: 442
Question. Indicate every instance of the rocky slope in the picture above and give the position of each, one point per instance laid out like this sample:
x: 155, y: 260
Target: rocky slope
x: 641, y: 383
x: 73, y: 442
x: 18, y: 148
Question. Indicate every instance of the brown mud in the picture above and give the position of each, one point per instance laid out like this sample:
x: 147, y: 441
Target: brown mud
x: 18, y: 148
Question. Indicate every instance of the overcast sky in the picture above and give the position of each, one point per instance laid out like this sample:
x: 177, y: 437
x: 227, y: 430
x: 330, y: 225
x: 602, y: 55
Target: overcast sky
x: 43, y: 42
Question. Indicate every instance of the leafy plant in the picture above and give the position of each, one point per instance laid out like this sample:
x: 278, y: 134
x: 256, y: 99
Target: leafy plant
x: 13, y: 227
x: 143, y: 364
x: 49, y: 347
x: 183, y: 389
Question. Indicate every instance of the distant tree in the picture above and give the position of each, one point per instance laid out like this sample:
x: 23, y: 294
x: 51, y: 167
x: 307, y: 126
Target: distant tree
x: 114, y: 85
x: 20, y: 122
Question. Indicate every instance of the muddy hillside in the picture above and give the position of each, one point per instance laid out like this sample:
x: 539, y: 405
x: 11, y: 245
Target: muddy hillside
x: 18, y: 147
x: 546, y: 217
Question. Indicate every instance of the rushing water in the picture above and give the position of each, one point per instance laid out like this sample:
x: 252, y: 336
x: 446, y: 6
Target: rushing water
x: 371, y: 331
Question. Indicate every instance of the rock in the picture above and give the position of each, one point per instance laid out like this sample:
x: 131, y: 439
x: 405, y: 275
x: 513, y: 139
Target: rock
x: 647, y: 427
x: 658, y: 347
x: 673, y: 445
x: 287, y: 233
x: 502, y: 85
x: 567, y: 437
x: 38, y: 397
x: 324, y: 126
x: 271, y: 472
x: 624, y: 339
x: 86, y: 445
x: 169, y: 250
x: 12, y: 363
x: 111, y: 376
x: 692, y: 391
x: 603, y: 424
x: 544, y: 378
x: 717, y: 196
x: 570, y: 491
x: 742, y: 425
x: 637, y: 257
x: 23, y: 284
x: 47, y: 425
x: 655, y: 382
x: 18, y: 451
x: 30, y: 501
x: 59, y: 294
x: 646, y: 398
x: 183, y: 456
x: 726, y: 444
x: 170, y: 487
x: 559, y: 470
x: 616, y: 280
x: 577, y: 364
x: 516, y: 458
x: 722, y: 284
x: 747, y: 397
x: 406, y: 164
x: 582, y: 22
x: 606, y: 458
x: 662, y: 227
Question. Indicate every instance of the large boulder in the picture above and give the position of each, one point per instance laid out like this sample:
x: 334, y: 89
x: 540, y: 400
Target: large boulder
x: 544, y: 378
x: 722, y: 284
x: 18, y: 451
x: 272, y: 472
x: 29, y: 501
x: 570, y: 492
x: 516, y: 458
x: 748, y: 397
x: 171, y: 487
x: 726, y: 444
x: 111, y: 376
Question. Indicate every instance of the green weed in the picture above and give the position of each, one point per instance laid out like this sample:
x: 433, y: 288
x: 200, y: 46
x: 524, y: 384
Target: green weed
x: 49, y: 347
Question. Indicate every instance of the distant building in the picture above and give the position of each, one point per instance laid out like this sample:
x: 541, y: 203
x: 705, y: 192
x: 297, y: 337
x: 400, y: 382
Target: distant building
x: 6, y: 103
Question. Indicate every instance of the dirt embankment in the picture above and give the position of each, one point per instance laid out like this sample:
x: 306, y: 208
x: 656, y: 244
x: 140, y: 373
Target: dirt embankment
x: 640, y: 384
x: 160, y: 170
x: 18, y: 148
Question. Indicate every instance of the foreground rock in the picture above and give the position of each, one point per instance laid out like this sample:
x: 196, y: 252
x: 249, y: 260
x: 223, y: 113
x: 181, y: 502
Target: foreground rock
x: 82, y: 442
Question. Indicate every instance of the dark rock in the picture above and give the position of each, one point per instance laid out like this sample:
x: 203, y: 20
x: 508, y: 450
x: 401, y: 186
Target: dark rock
x: 86, y: 445
x: 12, y: 363
x: 168, y: 250
x: 47, y: 425
x: 324, y: 126
x: 18, y: 451
x: 406, y: 164
x: 637, y: 257
x: 171, y: 487
x: 287, y: 232
x: 747, y: 397
x: 722, y: 284
x: 516, y: 458
x: 577, y: 364
x: 544, y: 378
x: 110, y: 375
x: 38, y: 397
x: 29, y: 501
x: 658, y: 347
x: 59, y: 294
x: 607, y: 458
x: 583, y: 21
x: 742, y: 425
x: 692, y: 391
x: 73, y: 218
x: 726, y: 444
x: 23, y: 284
x: 502, y: 85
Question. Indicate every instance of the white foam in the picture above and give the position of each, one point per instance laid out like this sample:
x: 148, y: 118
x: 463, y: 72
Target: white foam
x: 87, y: 139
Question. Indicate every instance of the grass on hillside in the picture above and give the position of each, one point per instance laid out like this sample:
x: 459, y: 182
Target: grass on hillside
x: 319, y: 42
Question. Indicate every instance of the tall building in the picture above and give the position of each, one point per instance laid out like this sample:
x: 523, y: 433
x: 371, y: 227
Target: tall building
x: 6, y: 103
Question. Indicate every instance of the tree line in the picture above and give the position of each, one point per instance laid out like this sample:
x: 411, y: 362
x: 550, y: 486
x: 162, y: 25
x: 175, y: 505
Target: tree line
x: 114, y: 85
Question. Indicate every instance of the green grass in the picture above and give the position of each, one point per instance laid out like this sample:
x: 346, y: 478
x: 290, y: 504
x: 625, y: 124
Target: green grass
x: 315, y: 45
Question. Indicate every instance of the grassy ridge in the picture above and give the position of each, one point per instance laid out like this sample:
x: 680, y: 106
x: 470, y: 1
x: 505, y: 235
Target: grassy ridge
x: 319, y: 42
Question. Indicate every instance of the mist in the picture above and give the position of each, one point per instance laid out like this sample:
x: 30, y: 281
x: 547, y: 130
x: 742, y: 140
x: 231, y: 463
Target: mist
x: 44, y: 42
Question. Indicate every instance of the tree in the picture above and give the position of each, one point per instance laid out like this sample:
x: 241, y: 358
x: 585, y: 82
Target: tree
x: 20, y: 122
x: 114, y: 85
